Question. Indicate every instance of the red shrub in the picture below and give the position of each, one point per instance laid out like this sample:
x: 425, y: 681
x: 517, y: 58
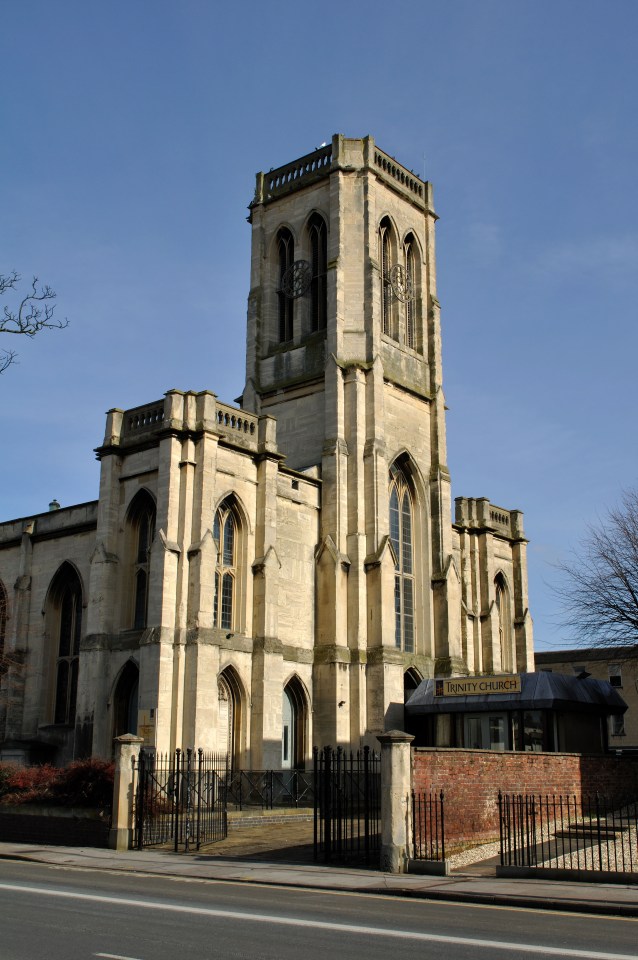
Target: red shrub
x: 85, y: 783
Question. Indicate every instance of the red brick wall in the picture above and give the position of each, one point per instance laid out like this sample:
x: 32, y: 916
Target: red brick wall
x: 471, y: 780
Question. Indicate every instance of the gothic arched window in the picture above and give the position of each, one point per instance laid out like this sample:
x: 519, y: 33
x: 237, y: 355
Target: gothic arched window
x: 503, y: 609
x: 65, y: 622
x: 226, y: 532
x: 319, y: 262
x: 401, y: 535
x: 3, y: 626
x: 410, y: 305
x: 142, y: 522
x: 285, y: 257
x: 385, y: 265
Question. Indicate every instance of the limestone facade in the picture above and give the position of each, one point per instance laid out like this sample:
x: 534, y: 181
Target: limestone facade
x: 262, y: 578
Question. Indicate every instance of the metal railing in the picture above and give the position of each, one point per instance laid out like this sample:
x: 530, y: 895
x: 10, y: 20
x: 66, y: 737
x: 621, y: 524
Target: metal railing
x: 428, y: 826
x: 347, y: 814
x: 563, y: 832
x: 180, y: 798
x: 270, y: 788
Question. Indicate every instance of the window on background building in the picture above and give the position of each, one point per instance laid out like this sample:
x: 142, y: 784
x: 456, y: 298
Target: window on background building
x: 226, y: 531
x: 286, y: 256
x: 615, y: 674
x: 401, y: 535
x: 617, y: 726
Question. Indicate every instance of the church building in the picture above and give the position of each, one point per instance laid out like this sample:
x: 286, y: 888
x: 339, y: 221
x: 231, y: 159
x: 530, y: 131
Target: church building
x: 264, y: 577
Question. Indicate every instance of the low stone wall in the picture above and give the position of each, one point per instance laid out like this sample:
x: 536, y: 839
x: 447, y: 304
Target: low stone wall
x: 471, y: 780
x: 55, y: 826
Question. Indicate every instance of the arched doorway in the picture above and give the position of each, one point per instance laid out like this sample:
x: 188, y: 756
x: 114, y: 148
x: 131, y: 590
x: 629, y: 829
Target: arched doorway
x: 411, y: 681
x: 294, y: 712
x: 125, y: 701
x: 229, y: 702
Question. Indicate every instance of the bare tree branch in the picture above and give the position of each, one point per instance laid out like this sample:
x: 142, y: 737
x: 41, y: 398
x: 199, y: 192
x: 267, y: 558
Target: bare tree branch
x: 599, y: 592
x: 33, y: 313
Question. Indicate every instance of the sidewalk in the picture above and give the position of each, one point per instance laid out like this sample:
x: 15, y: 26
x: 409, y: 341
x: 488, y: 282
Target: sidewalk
x: 592, y: 898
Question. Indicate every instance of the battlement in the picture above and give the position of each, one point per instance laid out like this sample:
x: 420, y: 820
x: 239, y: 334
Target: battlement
x: 346, y: 154
x: 479, y: 514
x: 183, y: 411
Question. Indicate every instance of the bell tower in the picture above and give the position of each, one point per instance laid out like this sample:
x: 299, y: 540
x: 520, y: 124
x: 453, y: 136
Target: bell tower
x: 343, y: 349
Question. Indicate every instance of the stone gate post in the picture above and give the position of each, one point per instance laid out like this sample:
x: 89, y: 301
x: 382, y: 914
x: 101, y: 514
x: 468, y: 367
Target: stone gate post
x: 396, y: 805
x: 127, y: 747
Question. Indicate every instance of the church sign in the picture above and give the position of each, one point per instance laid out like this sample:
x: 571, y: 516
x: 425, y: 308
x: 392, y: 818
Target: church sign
x: 477, y: 686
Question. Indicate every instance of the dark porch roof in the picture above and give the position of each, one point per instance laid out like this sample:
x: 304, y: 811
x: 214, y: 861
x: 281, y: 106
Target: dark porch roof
x: 539, y: 691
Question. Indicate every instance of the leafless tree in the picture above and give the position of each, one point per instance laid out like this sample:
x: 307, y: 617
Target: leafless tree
x: 599, y: 590
x: 33, y: 312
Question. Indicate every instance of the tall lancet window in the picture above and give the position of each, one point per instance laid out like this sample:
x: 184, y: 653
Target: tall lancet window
x: 141, y: 517
x: 385, y: 264
x: 3, y: 627
x: 503, y: 609
x: 401, y: 535
x: 410, y: 283
x: 318, y: 286
x: 286, y: 256
x: 225, y: 534
x: 64, y: 614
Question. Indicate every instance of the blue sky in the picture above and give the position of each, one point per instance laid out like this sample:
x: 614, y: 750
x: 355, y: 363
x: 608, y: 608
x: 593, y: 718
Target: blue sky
x: 130, y: 136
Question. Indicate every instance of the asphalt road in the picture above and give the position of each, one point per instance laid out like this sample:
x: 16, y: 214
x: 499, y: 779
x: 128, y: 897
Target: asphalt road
x: 57, y: 913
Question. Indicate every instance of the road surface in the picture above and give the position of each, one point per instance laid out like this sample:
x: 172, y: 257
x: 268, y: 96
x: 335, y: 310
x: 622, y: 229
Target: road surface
x: 58, y: 913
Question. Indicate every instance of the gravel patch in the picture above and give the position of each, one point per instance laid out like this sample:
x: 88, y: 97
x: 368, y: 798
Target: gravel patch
x: 475, y: 854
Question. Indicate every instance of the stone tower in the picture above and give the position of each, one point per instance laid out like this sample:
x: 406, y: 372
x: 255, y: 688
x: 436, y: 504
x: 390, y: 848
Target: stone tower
x: 344, y: 350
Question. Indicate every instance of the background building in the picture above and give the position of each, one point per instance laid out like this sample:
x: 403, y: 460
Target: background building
x: 266, y: 577
x: 617, y: 665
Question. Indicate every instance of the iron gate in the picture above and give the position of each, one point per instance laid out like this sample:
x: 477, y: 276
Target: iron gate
x: 347, y: 820
x: 180, y: 798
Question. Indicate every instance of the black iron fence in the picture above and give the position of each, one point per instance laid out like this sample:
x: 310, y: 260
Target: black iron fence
x: 347, y: 806
x: 562, y: 832
x: 428, y: 826
x: 180, y: 798
x: 270, y: 788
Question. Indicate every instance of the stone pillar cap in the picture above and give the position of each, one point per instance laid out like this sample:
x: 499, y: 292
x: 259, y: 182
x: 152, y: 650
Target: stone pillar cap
x: 395, y: 736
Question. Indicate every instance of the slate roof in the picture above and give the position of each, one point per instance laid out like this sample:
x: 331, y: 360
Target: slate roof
x: 539, y: 691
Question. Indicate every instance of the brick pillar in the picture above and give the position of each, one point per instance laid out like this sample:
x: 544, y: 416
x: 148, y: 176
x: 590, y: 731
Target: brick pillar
x: 127, y: 748
x: 396, y: 806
